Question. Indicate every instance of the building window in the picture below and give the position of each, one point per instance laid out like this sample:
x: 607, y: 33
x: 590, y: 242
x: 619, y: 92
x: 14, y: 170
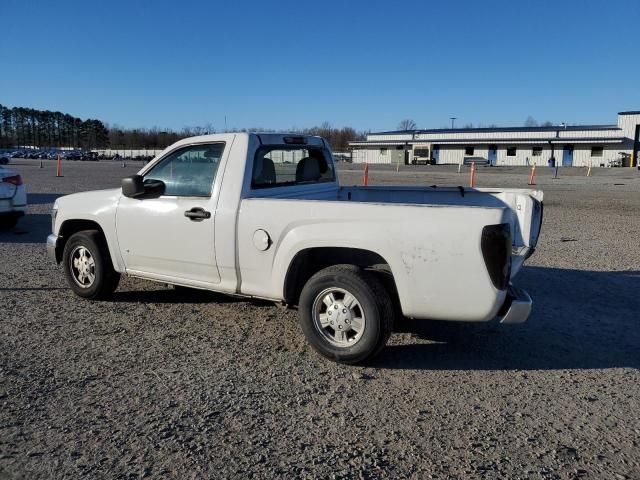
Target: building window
x: 536, y: 151
x: 596, y: 151
x: 468, y: 151
x: 511, y: 152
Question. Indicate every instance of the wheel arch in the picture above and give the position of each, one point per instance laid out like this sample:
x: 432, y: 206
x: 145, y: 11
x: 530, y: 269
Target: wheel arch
x: 72, y: 226
x: 309, y: 261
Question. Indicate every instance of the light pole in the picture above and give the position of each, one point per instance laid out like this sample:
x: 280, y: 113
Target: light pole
x: 453, y: 119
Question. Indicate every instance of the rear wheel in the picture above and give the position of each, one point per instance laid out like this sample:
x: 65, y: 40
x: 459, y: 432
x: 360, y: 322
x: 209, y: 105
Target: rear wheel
x: 88, y: 266
x: 345, y: 313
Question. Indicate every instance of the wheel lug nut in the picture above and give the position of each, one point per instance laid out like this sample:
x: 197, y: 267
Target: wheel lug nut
x: 344, y: 310
x: 335, y: 307
x: 340, y: 327
x: 329, y: 312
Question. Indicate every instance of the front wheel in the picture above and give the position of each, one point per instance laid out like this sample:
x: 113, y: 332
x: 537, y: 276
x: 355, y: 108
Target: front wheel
x: 345, y: 313
x: 88, y: 267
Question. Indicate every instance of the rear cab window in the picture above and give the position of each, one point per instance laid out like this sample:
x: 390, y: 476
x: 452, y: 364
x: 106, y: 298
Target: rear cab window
x: 285, y: 165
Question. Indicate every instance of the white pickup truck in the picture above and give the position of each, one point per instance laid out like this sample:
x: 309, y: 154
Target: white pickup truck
x: 263, y: 215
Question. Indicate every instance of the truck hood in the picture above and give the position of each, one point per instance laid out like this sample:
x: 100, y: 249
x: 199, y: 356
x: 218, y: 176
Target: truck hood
x: 89, y: 199
x: 96, y: 205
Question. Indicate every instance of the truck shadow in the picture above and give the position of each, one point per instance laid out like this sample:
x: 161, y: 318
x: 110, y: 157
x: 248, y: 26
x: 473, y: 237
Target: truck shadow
x: 43, y: 198
x: 581, y: 320
x: 32, y: 228
x: 184, y: 295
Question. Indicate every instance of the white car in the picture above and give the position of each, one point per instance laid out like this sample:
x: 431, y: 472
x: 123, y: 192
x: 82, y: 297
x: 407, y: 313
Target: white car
x: 263, y: 215
x: 13, y: 197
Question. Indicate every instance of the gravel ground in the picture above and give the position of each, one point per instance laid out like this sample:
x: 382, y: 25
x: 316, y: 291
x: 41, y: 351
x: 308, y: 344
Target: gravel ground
x: 157, y: 384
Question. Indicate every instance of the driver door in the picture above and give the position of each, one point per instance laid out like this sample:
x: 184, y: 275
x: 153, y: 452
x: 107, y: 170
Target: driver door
x: 170, y: 237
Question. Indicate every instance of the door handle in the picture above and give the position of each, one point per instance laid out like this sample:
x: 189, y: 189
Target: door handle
x: 197, y: 214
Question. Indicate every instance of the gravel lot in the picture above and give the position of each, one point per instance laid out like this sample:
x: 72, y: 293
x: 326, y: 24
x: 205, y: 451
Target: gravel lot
x: 161, y: 385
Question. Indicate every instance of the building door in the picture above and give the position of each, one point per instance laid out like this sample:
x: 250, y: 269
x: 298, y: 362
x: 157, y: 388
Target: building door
x: 636, y: 149
x: 567, y: 156
x: 435, y: 154
x: 492, y: 155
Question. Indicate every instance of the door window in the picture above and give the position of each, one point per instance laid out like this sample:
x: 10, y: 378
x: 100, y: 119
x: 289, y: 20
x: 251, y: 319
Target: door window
x: 189, y: 171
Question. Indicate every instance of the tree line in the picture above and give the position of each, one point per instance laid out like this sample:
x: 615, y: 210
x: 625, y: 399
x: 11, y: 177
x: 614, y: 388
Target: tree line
x: 21, y: 126
x: 28, y: 127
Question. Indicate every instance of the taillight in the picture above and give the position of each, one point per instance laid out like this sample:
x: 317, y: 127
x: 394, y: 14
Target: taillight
x: 14, y: 179
x: 496, y: 250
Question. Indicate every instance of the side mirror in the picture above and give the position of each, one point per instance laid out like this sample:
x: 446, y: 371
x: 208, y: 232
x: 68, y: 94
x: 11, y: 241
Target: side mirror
x: 133, y: 186
x: 154, y: 188
x: 136, y: 186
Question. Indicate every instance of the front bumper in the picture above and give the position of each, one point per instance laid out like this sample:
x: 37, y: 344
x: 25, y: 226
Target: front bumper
x: 53, y: 252
x: 517, y: 306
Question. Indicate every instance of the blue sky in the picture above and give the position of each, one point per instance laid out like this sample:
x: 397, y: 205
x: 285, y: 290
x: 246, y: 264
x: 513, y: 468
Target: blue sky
x: 286, y: 64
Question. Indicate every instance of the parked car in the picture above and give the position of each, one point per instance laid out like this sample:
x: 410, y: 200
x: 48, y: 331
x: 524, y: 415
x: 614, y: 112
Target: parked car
x: 263, y: 215
x: 4, y: 158
x: 13, y: 197
x: 73, y: 155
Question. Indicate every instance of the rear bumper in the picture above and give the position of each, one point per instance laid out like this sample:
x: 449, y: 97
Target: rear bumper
x: 53, y: 242
x: 517, y: 306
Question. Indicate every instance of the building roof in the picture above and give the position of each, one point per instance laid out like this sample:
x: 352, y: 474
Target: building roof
x: 503, y: 129
x: 490, y: 141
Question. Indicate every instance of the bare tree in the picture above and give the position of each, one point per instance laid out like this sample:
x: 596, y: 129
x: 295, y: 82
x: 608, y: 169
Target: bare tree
x: 547, y: 124
x: 530, y: 122
x: 407, y: 124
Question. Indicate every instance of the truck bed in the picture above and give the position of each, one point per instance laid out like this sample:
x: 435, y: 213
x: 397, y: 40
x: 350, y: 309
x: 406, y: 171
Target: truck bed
x: 525, y: 204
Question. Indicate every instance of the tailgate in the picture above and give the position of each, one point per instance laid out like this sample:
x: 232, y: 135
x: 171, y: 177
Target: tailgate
x: 527, y: 208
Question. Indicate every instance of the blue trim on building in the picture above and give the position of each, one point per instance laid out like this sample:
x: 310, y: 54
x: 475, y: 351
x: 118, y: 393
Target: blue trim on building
x: 490, y: 141
x: 501, y: 129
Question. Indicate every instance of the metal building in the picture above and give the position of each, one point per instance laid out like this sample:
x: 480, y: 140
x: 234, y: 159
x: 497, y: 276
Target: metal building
x: 581, y: 146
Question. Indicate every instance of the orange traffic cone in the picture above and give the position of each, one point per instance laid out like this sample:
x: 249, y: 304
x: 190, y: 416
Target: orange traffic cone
x: 473, y: 174
x: 532, y: 175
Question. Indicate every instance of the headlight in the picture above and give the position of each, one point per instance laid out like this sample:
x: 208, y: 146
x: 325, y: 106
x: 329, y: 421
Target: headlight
x: 54, y: 214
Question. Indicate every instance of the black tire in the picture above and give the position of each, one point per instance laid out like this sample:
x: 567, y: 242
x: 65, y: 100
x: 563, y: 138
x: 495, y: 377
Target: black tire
x: 105, y: 280
x: 371, y: 296
x: 8, y: 221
